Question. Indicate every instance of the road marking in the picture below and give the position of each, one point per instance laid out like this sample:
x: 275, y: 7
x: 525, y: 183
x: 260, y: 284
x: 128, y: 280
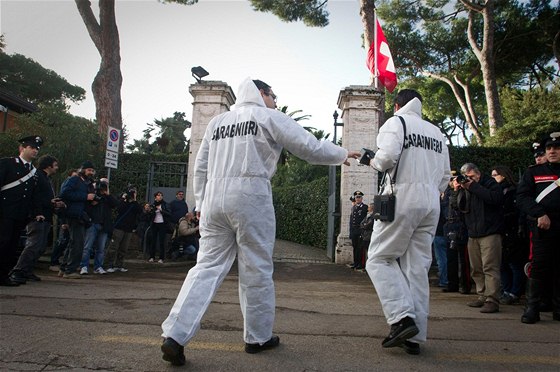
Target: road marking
x: 499, y: 358
x: 152, y: 341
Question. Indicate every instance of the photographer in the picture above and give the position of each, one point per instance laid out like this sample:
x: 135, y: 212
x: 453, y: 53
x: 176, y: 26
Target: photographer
x: 483, y: 212
x: 185, y: 237
x: 160, y: 220
x: 101, y: 225
x: 125, y: 225
x: 76, y: 192
x: 455, y: 231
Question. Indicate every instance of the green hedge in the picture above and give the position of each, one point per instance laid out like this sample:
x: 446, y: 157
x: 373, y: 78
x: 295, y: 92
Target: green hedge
x: 301, y: 211
x: 516, y: 159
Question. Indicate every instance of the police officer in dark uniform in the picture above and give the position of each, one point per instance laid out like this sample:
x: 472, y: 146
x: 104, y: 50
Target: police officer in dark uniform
x: 539, y: 153
x: 538, y: 195
x: 18, y: 179
x: 359, y: 212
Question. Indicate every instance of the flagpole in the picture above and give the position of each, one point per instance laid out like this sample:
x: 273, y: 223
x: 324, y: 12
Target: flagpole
x: 376, y: 73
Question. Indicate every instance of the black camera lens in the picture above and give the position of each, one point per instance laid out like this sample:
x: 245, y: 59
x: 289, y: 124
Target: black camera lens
x: 462, y: 179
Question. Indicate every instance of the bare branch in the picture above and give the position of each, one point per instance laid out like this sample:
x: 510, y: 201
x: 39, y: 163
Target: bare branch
x: 92, y: 26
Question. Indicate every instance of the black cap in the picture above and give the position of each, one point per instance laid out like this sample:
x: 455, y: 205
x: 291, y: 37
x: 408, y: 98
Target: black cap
x: 553, y: 140
x: 87, y: 164
x: 538, y: 149
x: 358, y: 193
x: 33, y: 141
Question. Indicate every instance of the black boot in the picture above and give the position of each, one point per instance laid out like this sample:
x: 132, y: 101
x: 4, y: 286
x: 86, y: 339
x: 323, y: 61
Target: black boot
x: 532, y: 292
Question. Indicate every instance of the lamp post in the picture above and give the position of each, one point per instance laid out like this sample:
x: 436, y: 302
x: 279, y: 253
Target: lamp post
x: 198, y: 73
x: 332, y: 199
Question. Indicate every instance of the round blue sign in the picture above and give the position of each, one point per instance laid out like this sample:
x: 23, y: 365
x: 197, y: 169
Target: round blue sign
x: 114, y: 135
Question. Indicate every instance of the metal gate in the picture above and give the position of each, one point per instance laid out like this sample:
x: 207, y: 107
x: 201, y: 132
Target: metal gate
x: 167, y: 177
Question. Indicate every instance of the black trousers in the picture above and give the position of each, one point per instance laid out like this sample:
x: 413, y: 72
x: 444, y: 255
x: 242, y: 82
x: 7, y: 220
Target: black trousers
x: 10, y: 231
x: 159, y: 232
x: 545, y: 261
x: 458, y: 268
x: 357, y: 247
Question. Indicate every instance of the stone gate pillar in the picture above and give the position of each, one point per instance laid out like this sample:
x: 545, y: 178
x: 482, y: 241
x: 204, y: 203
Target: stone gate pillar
x: 362, y: 114
x: 211, y: 98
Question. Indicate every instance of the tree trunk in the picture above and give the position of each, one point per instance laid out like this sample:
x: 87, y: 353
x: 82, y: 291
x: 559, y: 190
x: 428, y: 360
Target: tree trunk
x: 485, y: 56
x: 466, y: 107
x: 107, y: 84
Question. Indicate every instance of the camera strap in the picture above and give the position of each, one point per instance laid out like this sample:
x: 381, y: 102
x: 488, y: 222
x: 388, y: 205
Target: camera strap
x: 393, y: 180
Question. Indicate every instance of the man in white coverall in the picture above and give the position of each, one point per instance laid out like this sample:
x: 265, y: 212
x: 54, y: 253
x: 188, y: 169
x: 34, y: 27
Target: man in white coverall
x: 236, y: 160
x: 423, y: 172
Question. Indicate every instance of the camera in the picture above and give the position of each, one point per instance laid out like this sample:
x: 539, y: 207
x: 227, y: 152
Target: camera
x: 366, y: 157
x: 452, y: 235
x: 101, y: 188
x: 462, y: 179
x: 129, y: 194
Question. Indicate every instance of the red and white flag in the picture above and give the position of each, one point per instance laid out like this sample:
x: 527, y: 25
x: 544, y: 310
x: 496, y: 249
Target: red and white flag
x: 385, y: 66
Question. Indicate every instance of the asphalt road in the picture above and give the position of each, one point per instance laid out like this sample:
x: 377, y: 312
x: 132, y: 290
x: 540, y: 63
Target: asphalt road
x: 328, y: 319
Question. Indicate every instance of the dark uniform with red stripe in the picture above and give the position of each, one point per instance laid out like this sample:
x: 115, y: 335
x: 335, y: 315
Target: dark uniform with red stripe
x: 15, y: 207
x: 545, y: 252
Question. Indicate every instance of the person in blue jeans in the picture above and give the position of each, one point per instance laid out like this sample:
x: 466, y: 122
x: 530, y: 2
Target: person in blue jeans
x: 101, y: 224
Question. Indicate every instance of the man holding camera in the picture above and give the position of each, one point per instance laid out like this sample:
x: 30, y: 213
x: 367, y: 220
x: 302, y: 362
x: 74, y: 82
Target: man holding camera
x: 76, y: 193
x: 100, y: 212
x: 484, y: 218
x: 417, y: 149
x: 125, y: 224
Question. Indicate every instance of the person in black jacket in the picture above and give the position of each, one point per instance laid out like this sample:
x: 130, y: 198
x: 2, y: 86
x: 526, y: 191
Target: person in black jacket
x: 359, y: 212
x: 455, y: 231
x: 538, y: 195
x: 44, y: 205
x: 76, y: 192
x: 100, y: 212
x: 367, y: 229
x: 125, y: 224
x: 18, y: 180
x: 160, y: 220
x: 484, y: 219
x: 513, y: 258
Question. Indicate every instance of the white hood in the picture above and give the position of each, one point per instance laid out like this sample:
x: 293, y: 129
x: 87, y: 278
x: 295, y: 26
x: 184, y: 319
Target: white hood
x: 248, y: 94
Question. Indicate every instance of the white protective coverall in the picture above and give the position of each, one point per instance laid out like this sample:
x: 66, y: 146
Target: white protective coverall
x: 236, y: 160
x: 423, y: 173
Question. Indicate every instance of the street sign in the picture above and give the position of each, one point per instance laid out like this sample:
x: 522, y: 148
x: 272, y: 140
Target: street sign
x: 113, y: 139
x: 111, y: 163
x: 112, y: 153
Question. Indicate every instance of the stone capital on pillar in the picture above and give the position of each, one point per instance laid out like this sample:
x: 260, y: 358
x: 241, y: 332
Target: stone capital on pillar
x: 362, y: 113
x: 210, y: 98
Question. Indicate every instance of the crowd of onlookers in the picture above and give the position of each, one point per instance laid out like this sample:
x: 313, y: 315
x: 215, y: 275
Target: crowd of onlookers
x: 94, y: 227
x: 496, y: 237
x: 502, y: 235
